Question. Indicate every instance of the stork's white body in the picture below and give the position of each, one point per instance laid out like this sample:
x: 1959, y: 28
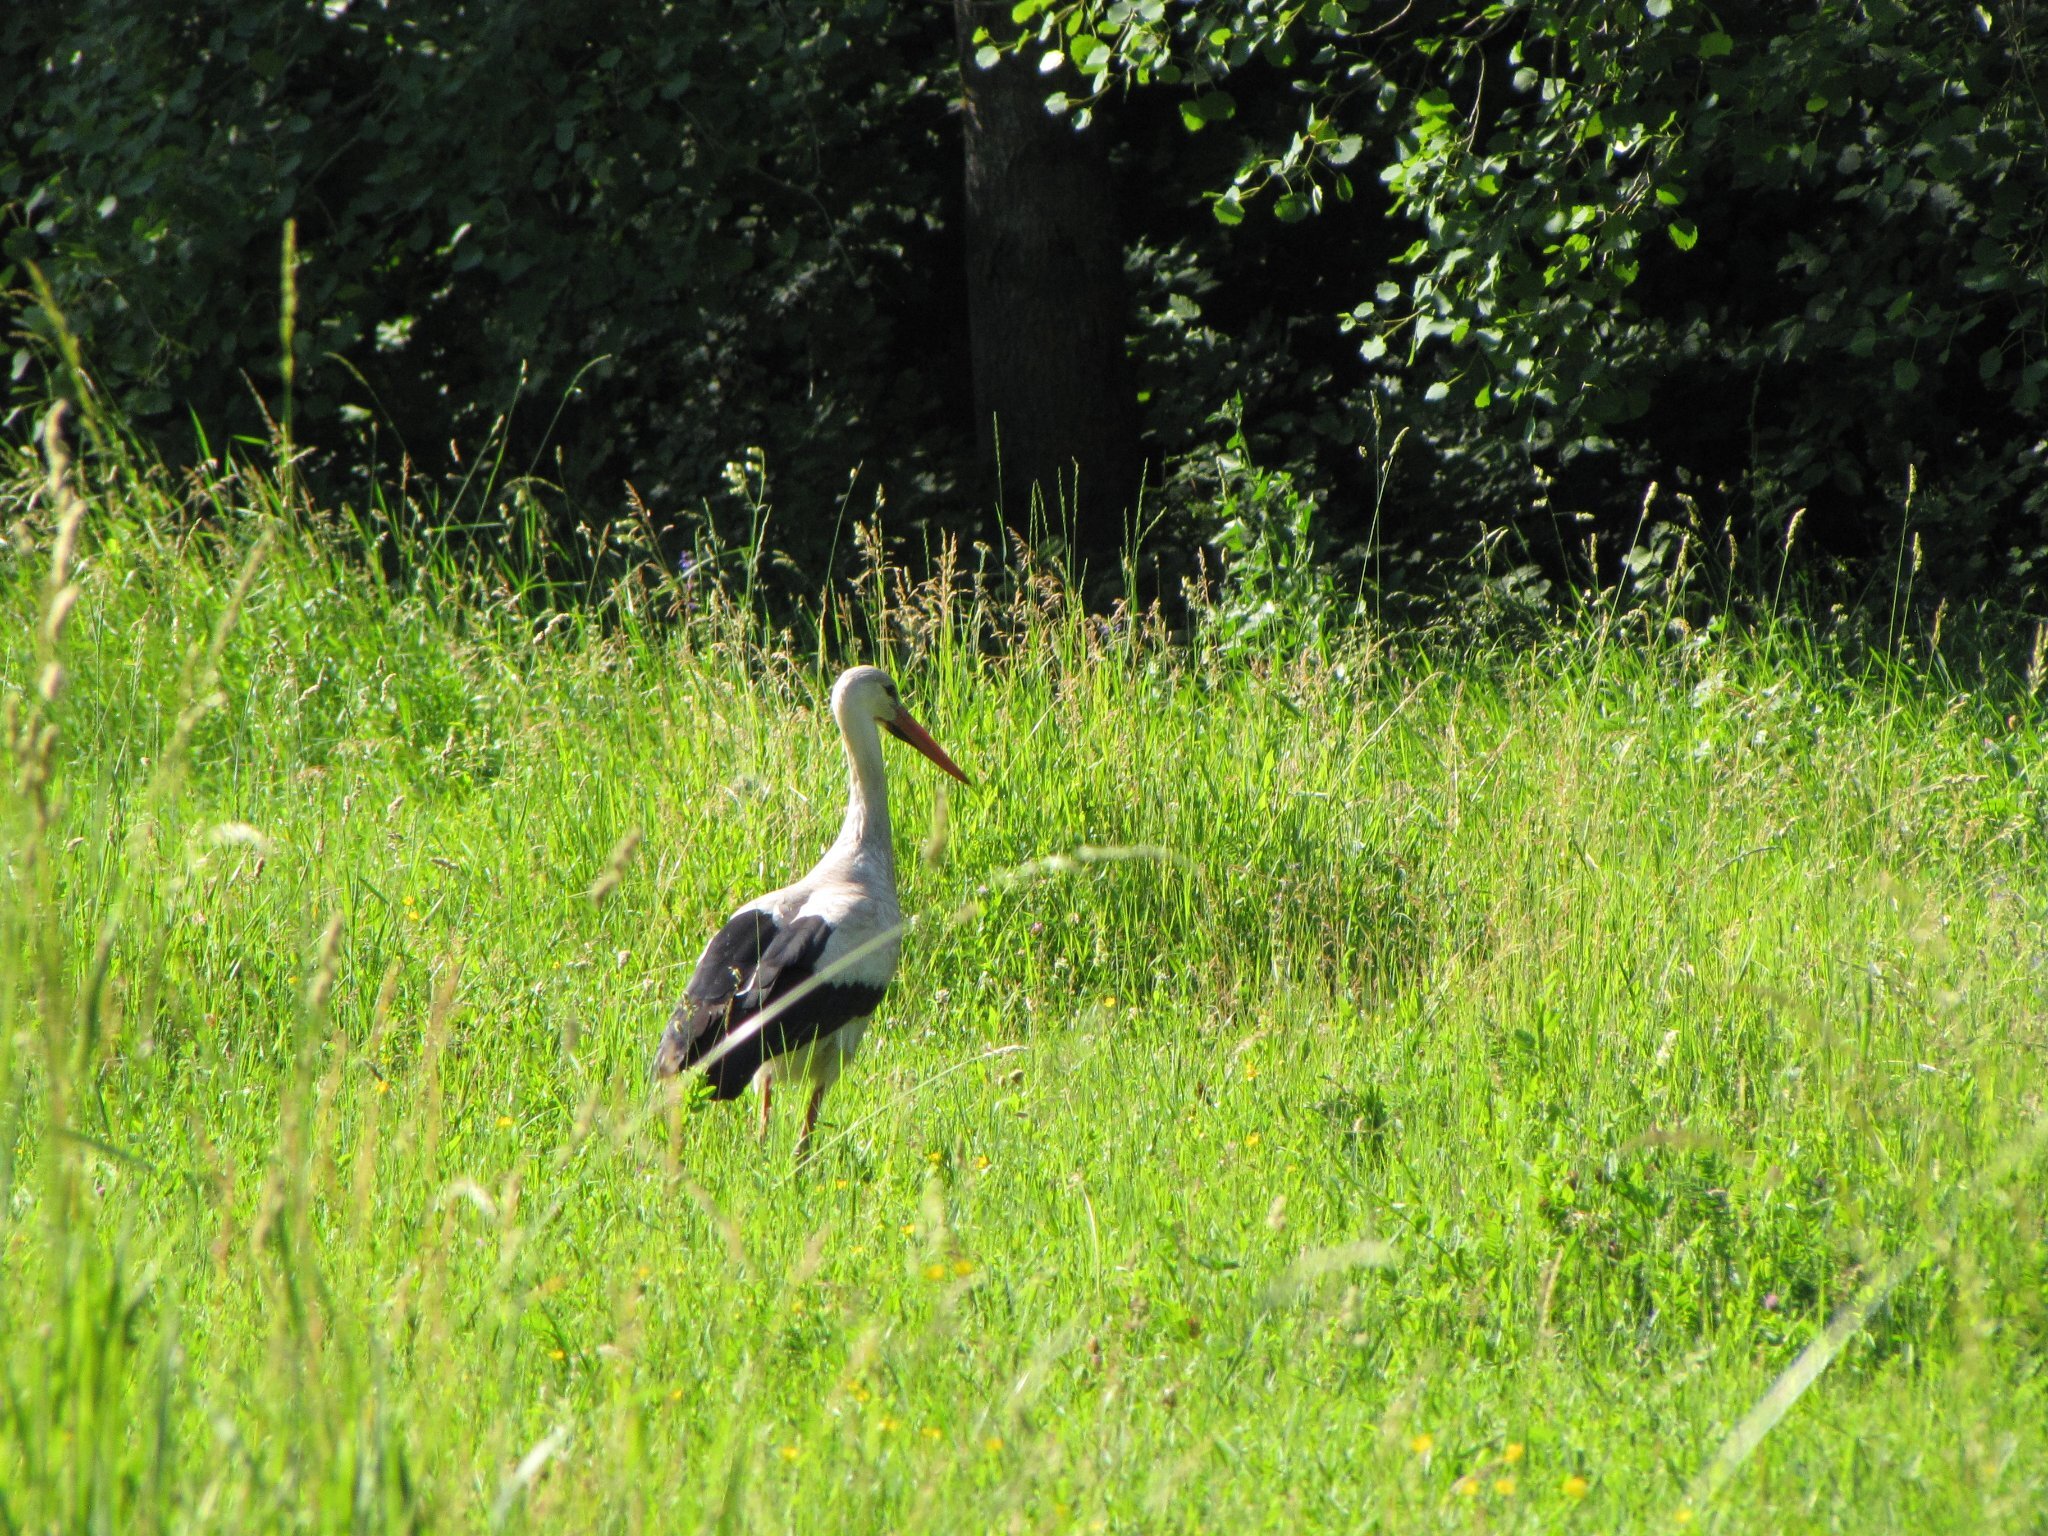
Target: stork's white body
x: 785, y: 990
x: 857, y: 901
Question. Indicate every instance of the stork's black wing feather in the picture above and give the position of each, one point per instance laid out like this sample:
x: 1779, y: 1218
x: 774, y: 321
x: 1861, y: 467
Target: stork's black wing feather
x: 756, y: 964
x: 724, y: 971
x: 727, y: 966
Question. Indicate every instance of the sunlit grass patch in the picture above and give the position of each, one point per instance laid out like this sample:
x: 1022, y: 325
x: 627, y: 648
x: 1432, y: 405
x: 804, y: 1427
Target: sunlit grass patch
x: 1450, y: 1086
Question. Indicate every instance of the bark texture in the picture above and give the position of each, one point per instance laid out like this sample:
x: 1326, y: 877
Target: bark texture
x: 1046, y: 303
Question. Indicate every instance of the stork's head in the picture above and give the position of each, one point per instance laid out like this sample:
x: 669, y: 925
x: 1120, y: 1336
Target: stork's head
x: 869, y: 693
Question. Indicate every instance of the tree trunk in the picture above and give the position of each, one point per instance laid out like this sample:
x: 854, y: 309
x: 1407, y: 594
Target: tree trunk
x: 1045, y: 295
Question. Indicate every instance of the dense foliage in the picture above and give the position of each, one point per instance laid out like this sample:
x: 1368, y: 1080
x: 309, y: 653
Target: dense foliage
x: 650, y: 233
x: 1771, y: 256
x: 1783, y: 252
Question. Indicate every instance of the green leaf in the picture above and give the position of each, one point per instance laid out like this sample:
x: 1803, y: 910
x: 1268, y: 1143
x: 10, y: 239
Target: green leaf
x: 1292, y: 208
x: 1658, y: 9
x: 1024, y: 10
x: 1228, y: 208
x: 1671, y: 197
x: 1683, y: 235
x: 1716, y: 45
x: 1083, y: 49
x: 1484, y: 398
x: 1387, y: 293
x: 986, y: 58
x: 1373, y: 348
x: 1905, y: 374
x: 1345, y: 150
x: 1437, y: 391
x: 1989, y: 364
x: 1333, y: 15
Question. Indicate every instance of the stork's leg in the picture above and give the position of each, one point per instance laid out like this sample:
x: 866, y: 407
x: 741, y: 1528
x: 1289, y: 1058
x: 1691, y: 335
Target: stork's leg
x: 803, y: 1141
x: 767, y: 1088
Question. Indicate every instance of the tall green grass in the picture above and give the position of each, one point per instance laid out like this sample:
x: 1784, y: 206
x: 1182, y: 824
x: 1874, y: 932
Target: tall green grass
x: 1411, y: 1085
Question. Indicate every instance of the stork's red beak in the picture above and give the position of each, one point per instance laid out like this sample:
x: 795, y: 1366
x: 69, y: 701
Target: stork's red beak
x: 906, y: 729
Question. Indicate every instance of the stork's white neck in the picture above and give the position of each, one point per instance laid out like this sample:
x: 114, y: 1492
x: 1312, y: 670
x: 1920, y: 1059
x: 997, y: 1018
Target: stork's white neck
x: 864, y: 836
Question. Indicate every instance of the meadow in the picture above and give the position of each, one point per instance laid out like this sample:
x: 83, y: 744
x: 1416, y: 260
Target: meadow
x: 1588, y: 1081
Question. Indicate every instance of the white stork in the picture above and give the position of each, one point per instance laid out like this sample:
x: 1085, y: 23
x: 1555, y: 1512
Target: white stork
x: 786, y: 987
